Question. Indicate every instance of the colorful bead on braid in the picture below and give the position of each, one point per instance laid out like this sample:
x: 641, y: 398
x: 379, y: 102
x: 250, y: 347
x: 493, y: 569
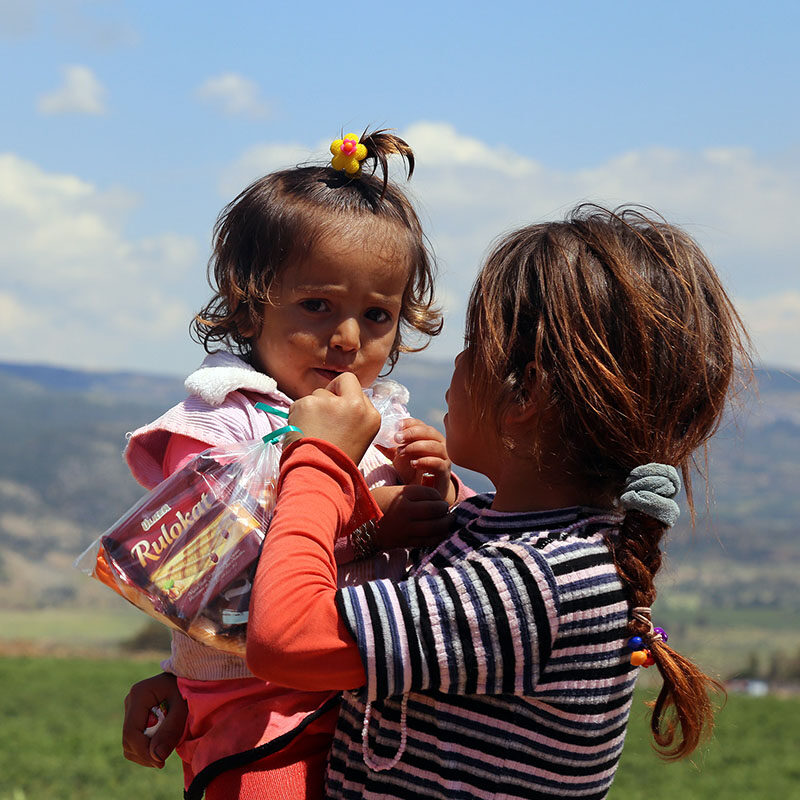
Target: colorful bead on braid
x: 348, y: 153
x: 641, y: 655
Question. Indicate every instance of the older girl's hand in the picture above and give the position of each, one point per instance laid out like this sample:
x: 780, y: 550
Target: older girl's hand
x: 341, y: 414
x: 413, y: 516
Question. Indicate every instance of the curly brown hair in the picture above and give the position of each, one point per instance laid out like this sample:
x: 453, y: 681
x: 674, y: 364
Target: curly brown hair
x: 277, y: 220
x: 620, y: 322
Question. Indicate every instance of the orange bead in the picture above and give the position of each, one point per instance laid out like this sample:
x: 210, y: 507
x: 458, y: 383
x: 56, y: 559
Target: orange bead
x: 638, y: 658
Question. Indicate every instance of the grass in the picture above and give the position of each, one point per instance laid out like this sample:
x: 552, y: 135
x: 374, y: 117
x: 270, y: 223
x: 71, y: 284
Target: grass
x: 752, y: 754
x: 60, y: 732
x: 85, y: 627
x: 60, y: 722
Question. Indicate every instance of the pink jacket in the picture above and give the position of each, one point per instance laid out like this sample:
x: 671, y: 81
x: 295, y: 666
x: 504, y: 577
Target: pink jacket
x: 220, y: 409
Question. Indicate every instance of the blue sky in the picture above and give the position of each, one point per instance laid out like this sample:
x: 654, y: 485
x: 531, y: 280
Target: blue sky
x: 128, y: 125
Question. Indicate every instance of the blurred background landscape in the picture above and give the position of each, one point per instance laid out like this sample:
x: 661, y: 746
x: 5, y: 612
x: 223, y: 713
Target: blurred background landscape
x: 729, y: 587
x: 70, y: 648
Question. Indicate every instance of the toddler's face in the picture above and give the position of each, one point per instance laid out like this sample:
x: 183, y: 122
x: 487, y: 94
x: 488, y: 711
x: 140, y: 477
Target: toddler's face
x: 335, y: 311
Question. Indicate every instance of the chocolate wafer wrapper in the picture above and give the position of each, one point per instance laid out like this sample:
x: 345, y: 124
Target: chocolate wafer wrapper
x: 186, y: 553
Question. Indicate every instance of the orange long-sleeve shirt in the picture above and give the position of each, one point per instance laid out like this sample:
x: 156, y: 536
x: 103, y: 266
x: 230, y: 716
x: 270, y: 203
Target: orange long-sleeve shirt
x: 295, y: 635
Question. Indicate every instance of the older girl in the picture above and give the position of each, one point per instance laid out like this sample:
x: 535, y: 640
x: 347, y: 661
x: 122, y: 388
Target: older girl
x: 599, y: 354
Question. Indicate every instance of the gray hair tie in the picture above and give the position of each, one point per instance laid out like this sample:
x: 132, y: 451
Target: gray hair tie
x: 649, y: 488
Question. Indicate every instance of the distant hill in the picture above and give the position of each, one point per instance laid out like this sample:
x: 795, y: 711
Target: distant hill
x: 63, y: 481
x: 132, y: 385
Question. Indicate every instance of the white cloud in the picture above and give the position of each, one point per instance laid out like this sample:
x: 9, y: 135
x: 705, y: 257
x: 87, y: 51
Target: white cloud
x: 14, y: 317
x: 80, y: 93
x: 739, y: 206
x: 444, y: 146
x: 74, y: 289
x: 234, y: 95
x: 774, y: 323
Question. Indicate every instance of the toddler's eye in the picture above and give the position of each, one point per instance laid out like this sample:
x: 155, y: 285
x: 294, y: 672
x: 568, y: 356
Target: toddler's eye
x: 378, y: 315
x: 315, y: 306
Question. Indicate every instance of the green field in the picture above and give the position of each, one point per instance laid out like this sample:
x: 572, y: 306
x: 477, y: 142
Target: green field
x: 88, y: 627
x: 60, y: 732
x: 60, y: 738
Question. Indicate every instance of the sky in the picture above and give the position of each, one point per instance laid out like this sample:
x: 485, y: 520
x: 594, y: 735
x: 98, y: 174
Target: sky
x: 127, y: 126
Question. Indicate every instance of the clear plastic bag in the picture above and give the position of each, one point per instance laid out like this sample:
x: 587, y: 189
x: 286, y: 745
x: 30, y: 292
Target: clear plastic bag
x: 390, y: 398
x: 186, y: 553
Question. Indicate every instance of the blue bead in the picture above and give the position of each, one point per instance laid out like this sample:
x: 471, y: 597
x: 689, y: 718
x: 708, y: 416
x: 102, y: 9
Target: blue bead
x: 635, y: 643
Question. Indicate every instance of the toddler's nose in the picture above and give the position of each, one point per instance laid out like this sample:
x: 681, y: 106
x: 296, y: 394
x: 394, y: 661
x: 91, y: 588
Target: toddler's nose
x: 347, y: 335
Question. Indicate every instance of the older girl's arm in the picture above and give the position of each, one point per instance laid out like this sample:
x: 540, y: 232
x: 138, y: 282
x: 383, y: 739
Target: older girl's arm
x: 295, y: 635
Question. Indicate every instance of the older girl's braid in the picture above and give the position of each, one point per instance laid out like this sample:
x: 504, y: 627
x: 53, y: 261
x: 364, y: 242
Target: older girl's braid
x: 685, y: 688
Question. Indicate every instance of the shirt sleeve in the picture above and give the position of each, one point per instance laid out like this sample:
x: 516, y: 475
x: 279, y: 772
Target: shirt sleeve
x: 463, y: 492
x: 483, y: 626
x: 180, y: 451
x: 295, y: 635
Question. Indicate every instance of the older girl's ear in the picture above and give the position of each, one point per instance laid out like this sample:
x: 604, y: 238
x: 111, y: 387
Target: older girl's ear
x: 521, y: 414
x: 534, y: 401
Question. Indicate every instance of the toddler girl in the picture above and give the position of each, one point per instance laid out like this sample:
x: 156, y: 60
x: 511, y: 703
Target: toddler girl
x: 599, y: 354
x: 318, y: 272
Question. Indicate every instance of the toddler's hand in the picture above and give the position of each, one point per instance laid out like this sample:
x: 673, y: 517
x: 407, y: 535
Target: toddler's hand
x: 413, y: 516
x: 142, y: 697
x: 422, y: 449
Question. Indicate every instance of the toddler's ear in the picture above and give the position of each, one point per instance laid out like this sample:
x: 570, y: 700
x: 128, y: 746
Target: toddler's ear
x: 246, y: 328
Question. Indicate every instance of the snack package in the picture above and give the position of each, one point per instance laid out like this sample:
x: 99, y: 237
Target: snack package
x: 186, y: 553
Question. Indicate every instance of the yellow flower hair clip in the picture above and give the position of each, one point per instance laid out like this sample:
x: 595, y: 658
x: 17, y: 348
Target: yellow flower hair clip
x: 348, y: 153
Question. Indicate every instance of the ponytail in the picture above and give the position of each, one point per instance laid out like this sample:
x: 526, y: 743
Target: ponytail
x: 683, y: 701
x: 380, y: 145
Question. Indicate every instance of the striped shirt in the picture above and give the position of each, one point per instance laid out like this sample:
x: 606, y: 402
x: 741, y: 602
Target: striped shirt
x: 502, y: 657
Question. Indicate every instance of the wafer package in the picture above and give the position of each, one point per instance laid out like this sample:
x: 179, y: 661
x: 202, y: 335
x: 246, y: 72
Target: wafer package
x: 186, y: 553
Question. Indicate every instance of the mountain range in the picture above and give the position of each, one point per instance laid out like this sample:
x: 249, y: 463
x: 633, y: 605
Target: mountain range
x: 63, y: 481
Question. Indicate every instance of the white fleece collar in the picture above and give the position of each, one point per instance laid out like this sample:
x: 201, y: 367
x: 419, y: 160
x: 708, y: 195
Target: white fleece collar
x: 222, y: 373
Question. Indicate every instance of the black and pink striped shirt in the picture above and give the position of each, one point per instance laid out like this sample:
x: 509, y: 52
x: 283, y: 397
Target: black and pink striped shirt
x: 503, y: 658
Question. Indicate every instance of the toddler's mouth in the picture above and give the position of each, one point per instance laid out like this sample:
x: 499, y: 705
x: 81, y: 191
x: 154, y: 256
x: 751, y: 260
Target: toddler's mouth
x: 328, y: 374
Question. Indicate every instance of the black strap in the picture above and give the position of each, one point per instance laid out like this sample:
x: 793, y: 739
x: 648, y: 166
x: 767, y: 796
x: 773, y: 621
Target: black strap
x: 200, y: 783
